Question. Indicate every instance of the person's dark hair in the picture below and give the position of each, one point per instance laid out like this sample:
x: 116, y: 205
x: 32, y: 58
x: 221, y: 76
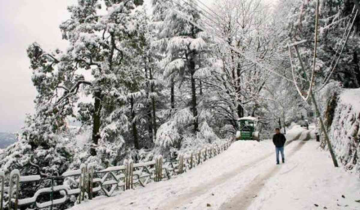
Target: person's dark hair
x: 277, y: 129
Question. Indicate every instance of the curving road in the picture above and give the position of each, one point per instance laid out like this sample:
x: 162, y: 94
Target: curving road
x: 231, y: 180
x: 244, y: 199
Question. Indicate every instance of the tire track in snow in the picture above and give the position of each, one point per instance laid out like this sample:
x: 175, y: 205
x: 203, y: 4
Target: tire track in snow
x: 198, y: 191
x: 245, y: 198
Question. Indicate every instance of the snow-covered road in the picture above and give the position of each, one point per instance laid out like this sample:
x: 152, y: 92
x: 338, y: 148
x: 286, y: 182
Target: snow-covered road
x: 246, y: 177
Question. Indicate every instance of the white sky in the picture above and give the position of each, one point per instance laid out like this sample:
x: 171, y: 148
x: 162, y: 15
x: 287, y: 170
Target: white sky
x: 23, y: 22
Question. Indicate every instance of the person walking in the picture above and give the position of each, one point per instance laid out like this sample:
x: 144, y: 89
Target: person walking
x: 279, y: 142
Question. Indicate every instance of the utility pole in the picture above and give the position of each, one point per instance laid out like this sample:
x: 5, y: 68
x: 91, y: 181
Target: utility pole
x: 312, y: 94
x: 317, y: 110
x: 324, y: 130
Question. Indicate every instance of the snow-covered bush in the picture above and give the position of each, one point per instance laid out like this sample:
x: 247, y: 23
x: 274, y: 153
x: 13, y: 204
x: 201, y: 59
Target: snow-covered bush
x: 51, y: 160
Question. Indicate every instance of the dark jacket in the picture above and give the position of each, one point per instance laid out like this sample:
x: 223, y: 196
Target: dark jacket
x: 279, y: 140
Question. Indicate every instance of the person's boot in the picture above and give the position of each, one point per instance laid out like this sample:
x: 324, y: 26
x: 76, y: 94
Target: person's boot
x: 283, y: 160
x: 277, y: 162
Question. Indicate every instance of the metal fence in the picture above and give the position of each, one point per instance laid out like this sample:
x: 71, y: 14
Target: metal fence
x: 86, y: 183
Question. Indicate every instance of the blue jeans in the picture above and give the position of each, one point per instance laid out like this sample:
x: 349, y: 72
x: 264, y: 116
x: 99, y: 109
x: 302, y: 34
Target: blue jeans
x: 280, y: 150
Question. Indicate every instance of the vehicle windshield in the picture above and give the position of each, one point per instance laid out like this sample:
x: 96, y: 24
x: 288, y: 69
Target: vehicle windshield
x: 246, y: 124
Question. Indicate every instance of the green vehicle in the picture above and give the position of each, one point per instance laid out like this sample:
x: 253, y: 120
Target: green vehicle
x: 248, y: 129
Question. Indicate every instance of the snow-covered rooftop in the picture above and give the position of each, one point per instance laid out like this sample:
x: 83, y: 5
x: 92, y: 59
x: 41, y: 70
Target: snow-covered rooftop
x: 249, y: 118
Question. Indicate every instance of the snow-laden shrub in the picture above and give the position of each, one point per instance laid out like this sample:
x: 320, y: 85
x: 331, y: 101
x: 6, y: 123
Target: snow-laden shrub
x: 108, y: 153
x: 207, y: 133
x: 68, y: 151
x: 192, y: 143
x: 169, y: 133
x: 15, y: 155
x: 176, y: 136
x: 52, y: 160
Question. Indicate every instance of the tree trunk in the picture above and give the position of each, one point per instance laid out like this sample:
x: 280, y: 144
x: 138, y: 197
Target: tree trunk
x: 172, y: 95
x: 283, y: 113
x: 193, y: 94
x: 150, y: 122
x: 240, y: 108
x: 153, y: 103
x: 96, y: 122
x: 240, y: 111
x: 148, y: 103
x: 356, y: 68
x: 256, y: 106
x: 133, y: 124
x: 280, y: 123
x: 200, y: 82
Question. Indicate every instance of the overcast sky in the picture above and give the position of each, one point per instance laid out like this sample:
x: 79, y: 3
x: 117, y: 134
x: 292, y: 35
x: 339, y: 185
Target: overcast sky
x: 23, y: 22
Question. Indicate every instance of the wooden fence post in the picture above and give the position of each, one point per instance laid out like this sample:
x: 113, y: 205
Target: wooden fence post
x: 126, y: 163
x: 158, y: 169
x: 206, y: 154
x: 129, y: 174
x: 2, y: 180
x: 80, y: 185
x: 83, y: 183
x: 90, y: 181
x: 181, y: 164
x: 15, y: 174
x: 199, y: 157
x: 192, y: 160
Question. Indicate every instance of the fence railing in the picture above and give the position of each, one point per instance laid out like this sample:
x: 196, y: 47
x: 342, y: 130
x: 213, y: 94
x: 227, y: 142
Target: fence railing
x: 86, y: 183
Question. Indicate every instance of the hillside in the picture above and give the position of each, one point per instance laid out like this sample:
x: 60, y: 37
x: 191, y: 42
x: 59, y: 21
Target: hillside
x: 6, y: 139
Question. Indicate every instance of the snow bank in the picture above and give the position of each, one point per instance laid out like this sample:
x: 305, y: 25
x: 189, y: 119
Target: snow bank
x: 294, y: 131
x: 309, y: 181
x: 351, y: 97
x: 344, y: 131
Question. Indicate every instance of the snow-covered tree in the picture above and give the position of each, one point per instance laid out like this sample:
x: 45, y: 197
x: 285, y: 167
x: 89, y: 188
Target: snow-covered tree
x: 185, y: 47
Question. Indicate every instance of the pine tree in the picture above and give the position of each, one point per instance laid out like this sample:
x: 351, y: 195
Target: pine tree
x: 96, y: 64
x: 184, y: 46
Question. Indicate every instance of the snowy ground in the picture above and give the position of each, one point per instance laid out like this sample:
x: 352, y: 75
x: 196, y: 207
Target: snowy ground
x: 246, y: 177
